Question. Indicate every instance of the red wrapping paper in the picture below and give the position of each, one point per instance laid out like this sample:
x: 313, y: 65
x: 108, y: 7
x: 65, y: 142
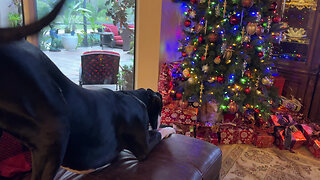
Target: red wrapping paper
x: 313, y: 144
x: 172, y: 113
x: 245, y: 136
x: 297, y: 139
x: 263, y: 140
x: 208, y: 134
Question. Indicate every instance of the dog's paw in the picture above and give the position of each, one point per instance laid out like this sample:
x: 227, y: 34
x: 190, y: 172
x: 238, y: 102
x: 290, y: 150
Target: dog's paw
x: 166, y: 132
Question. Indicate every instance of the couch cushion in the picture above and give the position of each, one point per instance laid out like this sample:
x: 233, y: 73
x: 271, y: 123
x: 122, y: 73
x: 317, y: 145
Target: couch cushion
x: 177, y: 157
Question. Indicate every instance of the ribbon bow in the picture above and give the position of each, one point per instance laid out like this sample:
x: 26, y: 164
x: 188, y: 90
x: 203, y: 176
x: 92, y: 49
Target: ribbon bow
x: 288, y: 124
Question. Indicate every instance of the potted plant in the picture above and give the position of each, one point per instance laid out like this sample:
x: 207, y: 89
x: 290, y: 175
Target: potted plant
x: 71, y: 13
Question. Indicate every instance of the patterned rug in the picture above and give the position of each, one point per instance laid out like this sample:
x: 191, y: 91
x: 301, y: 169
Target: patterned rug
x: 248, y: 162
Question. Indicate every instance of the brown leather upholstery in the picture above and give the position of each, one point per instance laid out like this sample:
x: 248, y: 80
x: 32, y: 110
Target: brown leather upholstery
x: 177, y: 157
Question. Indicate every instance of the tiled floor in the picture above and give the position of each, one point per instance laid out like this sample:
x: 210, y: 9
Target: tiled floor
x: 69, y: 61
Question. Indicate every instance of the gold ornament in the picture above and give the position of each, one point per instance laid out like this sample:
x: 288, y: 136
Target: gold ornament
x: 217, y: 60
x: 260, y: 30
x: 211, y: 79
x: 233, y: 107
x: 191, y: 80
x: 224, y: 8
x: 202, y: 1
x: 251, y: 28
x: 186, y: 73
x: 218, y: 10
x: 199, y: 28
x: 205, y: 68
x: 247, y: 38
x: 227, y: 54
x: 189, y: 49
x: 266, y: 81
x: 192, y: 14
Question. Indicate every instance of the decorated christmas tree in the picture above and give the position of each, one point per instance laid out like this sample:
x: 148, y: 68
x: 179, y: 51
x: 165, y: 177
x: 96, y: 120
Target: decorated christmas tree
x: 227, y: 54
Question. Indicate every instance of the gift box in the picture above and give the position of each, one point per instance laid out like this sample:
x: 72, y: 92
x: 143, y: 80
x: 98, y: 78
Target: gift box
x: 173, y: 113
x: 263, y: 140
x: 245, y: 135
x: 279, y: 83
x: 184, y: 129
x: 313, y: 141
x: 207, y: 133
x: 228, y: 133
x: 288, y: 136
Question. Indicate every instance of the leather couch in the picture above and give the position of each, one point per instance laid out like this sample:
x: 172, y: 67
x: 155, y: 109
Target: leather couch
x: 177, y: 157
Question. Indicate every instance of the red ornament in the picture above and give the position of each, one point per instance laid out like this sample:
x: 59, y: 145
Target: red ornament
x: 220, y: 79
x: 187, y: 23
x: 193, y: 1
x: 260, y: 55
x: 200, y: 39
x: 213, y: 37
x: 247, y: 73
x: 276, y: 19
x: 260, y: 30
x: 247, y: 90
x: 234, y: 20
x: 247, y: 3
x: 178, y: 95
x: 233, y: 107
x: 184, y: 54
x: 203, y: 58
x: 273, y: 6
x: 256, y: 110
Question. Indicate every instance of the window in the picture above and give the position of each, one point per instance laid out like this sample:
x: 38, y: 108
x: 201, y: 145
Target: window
x: 90, y: 25
x: 10, y: 13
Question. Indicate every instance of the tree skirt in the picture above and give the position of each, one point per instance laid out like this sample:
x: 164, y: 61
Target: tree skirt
x: 248, y: 162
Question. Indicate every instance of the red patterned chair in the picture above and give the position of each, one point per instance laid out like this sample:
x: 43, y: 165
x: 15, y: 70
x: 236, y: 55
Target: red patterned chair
x: 114, y: 29
x: 99, y: 67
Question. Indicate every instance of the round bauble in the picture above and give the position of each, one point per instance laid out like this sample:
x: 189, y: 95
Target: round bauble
x: 247, y: 90
x: 220, y: 79
x: 203, y: 58
x: 247, y: 38
x: 233, y: 107
x: 200, y: 39
x: 178, y: 95
x: 276, y: 19
x: 191, y: 80
x: 228, y: 54
x: 251, y: 28
x: 256, y: 110
x: 213, y: 37
x: 273, y: 6
x: 217, y: 60
x: 260, y: 30
x: 189, y: 49
x: 198, y: 28
x: 247, y: 73
x: 235, y: 20
x: 184, y: 54
x: 186, y: 73
x: 187, y: 23
x: 247, y: 3
x: 266, y: 81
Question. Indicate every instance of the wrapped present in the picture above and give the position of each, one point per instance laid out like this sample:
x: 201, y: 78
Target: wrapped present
x: 208, y: 133
x: 263, y: 137
x: 184, y: 129
x: 312, y: 134
x: 173, y: 113
x: 279, y: 83
x: 245, y: 135
x: 288, y: 136
x: 228, y: 133
x: 293, y: 104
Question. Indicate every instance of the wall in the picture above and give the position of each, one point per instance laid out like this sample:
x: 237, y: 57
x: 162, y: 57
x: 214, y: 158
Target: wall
x: 171, y: 25
x: 148, y: 27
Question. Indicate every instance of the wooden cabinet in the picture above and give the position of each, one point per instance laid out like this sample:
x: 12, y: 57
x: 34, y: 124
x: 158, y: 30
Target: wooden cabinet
x: 298, y: 56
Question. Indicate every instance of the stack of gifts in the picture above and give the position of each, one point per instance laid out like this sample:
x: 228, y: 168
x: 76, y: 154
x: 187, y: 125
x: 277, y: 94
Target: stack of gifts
x: 239, y: 131
x: 165, y: 85
x: 312, y: 134
x: 288, y: 136
x: 208, y: 132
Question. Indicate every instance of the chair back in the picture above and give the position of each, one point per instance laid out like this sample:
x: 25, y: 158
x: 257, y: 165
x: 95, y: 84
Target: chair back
x: 99, y: 67
x: 111, y: 28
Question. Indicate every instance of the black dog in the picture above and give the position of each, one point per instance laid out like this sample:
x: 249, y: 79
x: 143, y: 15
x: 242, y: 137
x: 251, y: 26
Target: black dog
x: 64, y: 124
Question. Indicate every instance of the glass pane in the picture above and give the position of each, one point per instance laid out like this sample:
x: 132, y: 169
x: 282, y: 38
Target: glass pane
x: 299, y: 14
x: 10, y: 13
x: 91, y: 25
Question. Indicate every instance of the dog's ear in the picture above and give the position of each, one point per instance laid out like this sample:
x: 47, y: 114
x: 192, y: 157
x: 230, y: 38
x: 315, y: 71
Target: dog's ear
x: 17, y: 33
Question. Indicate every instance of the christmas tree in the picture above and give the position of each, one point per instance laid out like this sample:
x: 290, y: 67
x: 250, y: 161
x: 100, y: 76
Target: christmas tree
x: 227, y: 54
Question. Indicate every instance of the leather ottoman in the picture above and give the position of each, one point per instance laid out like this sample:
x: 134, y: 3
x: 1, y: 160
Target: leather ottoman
x: 177, y: 157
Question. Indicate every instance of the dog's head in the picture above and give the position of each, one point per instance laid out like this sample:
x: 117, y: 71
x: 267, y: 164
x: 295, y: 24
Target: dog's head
x: 154, y: 108
x: 17, y: 33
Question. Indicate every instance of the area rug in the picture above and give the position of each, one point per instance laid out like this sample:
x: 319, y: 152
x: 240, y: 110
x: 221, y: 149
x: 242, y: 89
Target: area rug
x: 248, y: 162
